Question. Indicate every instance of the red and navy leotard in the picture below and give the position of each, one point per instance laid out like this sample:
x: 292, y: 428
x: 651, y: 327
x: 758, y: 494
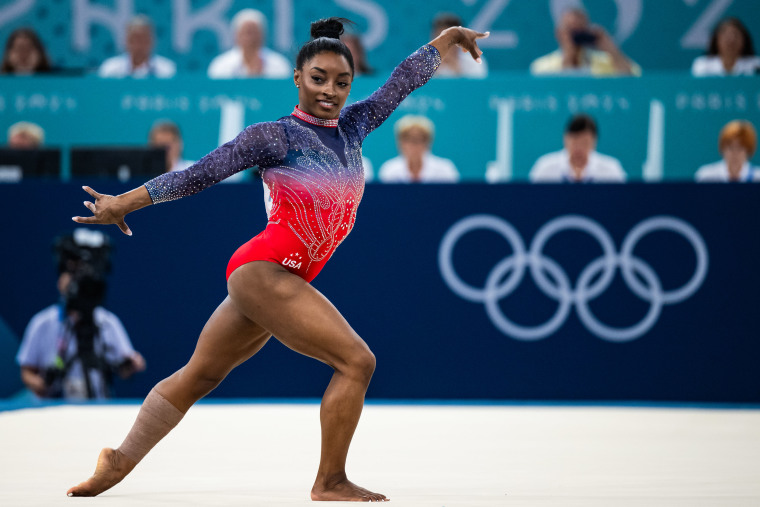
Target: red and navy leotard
x: 312, y: 167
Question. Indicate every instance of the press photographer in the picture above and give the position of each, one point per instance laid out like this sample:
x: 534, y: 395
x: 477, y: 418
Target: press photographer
x: 74, y: 348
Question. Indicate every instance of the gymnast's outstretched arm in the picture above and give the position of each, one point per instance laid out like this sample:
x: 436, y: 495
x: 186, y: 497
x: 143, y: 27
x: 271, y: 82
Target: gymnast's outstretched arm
x: 413, y: 72
x: 261, y: 144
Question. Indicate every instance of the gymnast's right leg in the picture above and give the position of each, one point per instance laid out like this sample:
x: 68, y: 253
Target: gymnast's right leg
x: 227, y: 340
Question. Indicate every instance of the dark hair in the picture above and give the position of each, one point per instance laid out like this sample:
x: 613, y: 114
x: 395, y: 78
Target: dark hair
x: 325, y: 36
x: 445, y: 20
x: 747, y: 50
x: 361, y: 61
x: 581, y: 123
x: 44, y: 63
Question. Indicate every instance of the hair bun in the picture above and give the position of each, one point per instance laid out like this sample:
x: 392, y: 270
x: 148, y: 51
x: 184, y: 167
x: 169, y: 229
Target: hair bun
x: 332, y: 28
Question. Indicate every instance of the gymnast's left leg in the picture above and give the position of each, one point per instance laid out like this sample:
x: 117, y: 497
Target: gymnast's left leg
x: 228, y: 339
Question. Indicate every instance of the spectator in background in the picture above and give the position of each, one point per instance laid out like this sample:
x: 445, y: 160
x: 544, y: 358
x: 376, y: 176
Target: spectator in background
x: 414, y: 136
x: 737, y: 143
x: 24, y: 54
x: 250, y: 57
x: 731, y: 52
x: 72, y: 348
x: 456, y: 63
x: 139, y: 60
x: 354, y: 44
x: 584, y: 49
x: 578, y: 162
x: 166, y: 134
x: 25, y: 135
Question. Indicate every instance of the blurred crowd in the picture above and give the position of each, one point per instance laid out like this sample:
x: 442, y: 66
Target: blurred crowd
x: 583, y: 48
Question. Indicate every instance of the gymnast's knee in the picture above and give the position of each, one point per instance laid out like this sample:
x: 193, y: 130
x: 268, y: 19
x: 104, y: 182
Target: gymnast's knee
x: 361, y: 365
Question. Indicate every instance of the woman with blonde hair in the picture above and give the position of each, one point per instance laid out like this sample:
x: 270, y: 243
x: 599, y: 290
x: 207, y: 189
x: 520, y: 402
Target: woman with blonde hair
x: 416, y: 162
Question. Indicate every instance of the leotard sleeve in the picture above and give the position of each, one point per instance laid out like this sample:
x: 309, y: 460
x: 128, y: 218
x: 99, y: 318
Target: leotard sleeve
x: 261, y: 144
x: 409, y: 75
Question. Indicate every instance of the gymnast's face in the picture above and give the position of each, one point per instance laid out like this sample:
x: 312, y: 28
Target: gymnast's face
x: 324, y: 83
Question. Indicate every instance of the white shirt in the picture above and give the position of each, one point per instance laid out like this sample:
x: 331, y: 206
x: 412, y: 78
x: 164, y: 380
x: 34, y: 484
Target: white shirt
x: 48, y: 336
x: 468, y: 67
x: 121, y: 66
x: 717, y: 172
x: 555, y: 168
x: 434, y: 170
x: 230, y: 65
x: 713, y: 66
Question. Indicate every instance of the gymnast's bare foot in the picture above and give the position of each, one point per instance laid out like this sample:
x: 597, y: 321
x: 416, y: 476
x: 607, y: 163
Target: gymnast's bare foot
x: 112, y: 467
x: 341, y: 489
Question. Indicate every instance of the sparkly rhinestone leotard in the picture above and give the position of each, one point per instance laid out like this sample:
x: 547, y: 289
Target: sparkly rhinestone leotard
x: 312, y: 167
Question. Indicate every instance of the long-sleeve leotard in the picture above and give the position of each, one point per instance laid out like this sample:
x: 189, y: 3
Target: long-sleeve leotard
x: 314, y: 173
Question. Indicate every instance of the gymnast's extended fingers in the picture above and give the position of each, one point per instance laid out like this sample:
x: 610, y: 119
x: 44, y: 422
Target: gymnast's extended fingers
x: 92, y: 192
x: 124, y: 228
x: 85, y: 220
x: 471, y: 45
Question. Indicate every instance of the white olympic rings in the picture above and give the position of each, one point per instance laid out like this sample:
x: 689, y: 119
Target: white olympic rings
x: 553, y: 281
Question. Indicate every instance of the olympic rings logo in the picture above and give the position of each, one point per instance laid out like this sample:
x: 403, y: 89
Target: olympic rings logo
x: 553, y: 281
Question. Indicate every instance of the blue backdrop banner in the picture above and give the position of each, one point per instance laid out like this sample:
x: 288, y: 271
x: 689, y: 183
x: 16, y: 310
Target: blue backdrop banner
x: 620, y: 292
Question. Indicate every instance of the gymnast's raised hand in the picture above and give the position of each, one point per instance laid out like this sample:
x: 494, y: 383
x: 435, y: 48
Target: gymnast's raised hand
x: 460, y: 36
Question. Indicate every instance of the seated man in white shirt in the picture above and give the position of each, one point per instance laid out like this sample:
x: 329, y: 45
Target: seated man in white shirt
x: 166, y: 134
x: 139, y: 60
x: 737, y: 143
x: 579, y: 162
x: 250, y: 57
x: 414, y: 136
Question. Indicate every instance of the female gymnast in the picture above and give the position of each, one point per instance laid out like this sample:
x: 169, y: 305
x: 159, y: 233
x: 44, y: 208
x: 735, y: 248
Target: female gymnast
x: 311, y: 163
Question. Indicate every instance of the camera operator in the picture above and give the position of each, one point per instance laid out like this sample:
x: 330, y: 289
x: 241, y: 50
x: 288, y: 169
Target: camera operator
x: 584, y: 49
x: 73, y: 348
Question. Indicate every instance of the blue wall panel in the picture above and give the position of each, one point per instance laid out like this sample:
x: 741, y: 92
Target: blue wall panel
x: 431, y: 342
